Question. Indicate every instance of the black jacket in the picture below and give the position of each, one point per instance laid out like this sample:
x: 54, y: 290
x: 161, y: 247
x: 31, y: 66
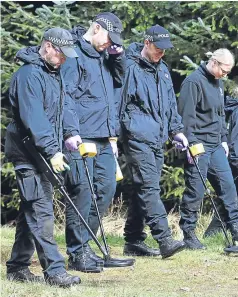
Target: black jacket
x: 90, y: 80
x: 201, y: 105
x: 149, y: 110
x: 38, y: 102
x: 231, y: 109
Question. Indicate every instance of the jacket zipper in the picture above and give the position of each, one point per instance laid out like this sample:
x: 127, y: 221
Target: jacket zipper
x: 106, y: 96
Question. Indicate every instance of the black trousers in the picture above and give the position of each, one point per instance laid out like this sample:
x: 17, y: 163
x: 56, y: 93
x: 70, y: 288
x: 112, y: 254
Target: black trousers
x: 35, y: 225
x: 145, y: 205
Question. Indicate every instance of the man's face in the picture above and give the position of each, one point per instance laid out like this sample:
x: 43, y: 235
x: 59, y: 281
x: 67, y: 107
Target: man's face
x: 221, y: 70
x: 101, y: 39
x: 154, y: 54
x: 54, y: 56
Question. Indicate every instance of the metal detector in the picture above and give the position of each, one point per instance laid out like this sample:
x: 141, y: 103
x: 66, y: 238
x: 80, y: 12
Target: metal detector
x: 108, y: 261
x: 231, y: 247
x: 57, y: 181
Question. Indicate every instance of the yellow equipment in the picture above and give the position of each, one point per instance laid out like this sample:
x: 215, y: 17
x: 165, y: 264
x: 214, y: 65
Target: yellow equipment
x: 196, y: 149
x: 87, y: 149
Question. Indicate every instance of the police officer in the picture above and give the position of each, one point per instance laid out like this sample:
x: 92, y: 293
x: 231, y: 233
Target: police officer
x: 231, y: 109
x: 201, y: 105
x: 90, y: 81
x: 148, y: 116
x: 37, y: 98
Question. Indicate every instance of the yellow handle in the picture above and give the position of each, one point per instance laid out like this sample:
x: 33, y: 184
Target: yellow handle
x: 87, y: 149
x: 119, y: 175
x: 197, y: 149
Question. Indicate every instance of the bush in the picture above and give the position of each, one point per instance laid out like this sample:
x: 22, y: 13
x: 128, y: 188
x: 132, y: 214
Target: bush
x: 197, y: 27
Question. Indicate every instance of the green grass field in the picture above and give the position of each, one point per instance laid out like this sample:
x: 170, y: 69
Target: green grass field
x: 208, y: 273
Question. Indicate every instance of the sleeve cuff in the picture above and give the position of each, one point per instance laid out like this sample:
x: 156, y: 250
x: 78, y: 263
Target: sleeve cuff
x: 224, y: 138
x: 173, y: 133
x: 70, y: 134
x: 112, y: 139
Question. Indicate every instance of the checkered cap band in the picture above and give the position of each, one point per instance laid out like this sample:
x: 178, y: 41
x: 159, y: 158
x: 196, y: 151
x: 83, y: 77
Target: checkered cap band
x: 60, y: 42
x: 109, y: 25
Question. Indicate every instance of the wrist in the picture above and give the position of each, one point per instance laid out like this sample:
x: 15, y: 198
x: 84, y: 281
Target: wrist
x: 174, y: 133
x: 58, y: 154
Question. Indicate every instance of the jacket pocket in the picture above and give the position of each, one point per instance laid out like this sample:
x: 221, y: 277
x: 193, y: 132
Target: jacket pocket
x: 143, y: 128
x: 92, y: 111
x: 14, y: 148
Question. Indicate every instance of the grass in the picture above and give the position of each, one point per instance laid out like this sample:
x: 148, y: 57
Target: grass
x: 208, y: 273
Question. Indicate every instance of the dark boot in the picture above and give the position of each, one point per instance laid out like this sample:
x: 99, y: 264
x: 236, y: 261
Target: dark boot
x: 88, y: 250
x: 214, y: 228
x: 83, y: 262
x: 24, y: 275
x: 139, y: 248
x: 62, y: 280
x: 191, y: 241
x: 168, y: 247
x: 234, y: 232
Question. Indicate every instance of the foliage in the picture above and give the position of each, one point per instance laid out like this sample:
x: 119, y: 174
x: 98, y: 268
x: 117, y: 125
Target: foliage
x: 172, y: 181
x: 137, y: 16
x: 196, y: 27
x: 23, y: 27
x: 202, y: 27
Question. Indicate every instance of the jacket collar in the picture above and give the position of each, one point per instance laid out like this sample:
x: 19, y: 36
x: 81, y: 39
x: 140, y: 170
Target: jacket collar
x: 87, y: 48
x: 203, y: 69
x: 133, y: 52
x: 153, y: 67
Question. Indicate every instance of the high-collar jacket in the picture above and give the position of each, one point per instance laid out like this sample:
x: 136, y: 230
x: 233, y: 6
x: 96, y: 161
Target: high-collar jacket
x: 148, y: 112
x: 39, y: 102
x: 231, y: 108
x: 90, y: 81
x: 201, y: 105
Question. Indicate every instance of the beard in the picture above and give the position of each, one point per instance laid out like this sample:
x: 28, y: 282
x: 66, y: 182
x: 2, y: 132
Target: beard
x: 49, y: 61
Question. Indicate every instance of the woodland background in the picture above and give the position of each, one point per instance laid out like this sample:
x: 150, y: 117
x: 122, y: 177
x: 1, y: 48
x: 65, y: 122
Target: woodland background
x: 196, y: 28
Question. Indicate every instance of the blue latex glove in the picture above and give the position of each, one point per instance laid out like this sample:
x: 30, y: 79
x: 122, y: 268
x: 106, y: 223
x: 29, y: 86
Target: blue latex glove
x: 180, y: 141
x: 73, y: 142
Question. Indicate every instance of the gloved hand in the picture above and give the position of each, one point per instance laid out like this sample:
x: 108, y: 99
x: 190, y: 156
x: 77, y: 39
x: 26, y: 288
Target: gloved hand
x: 58, y: 163
x: 181, y: 141
x: 226, y: 148
x: 115, y: 49
x: 73, y: 142
x: 113, y: 143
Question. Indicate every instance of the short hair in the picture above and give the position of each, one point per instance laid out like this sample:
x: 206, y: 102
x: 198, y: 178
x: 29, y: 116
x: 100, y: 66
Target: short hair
x: 222, y: 55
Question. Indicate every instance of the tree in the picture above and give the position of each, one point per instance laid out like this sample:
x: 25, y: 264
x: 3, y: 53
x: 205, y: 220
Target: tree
x: 196, y: 27
x: 24, y: 26
x: 203, y: 27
